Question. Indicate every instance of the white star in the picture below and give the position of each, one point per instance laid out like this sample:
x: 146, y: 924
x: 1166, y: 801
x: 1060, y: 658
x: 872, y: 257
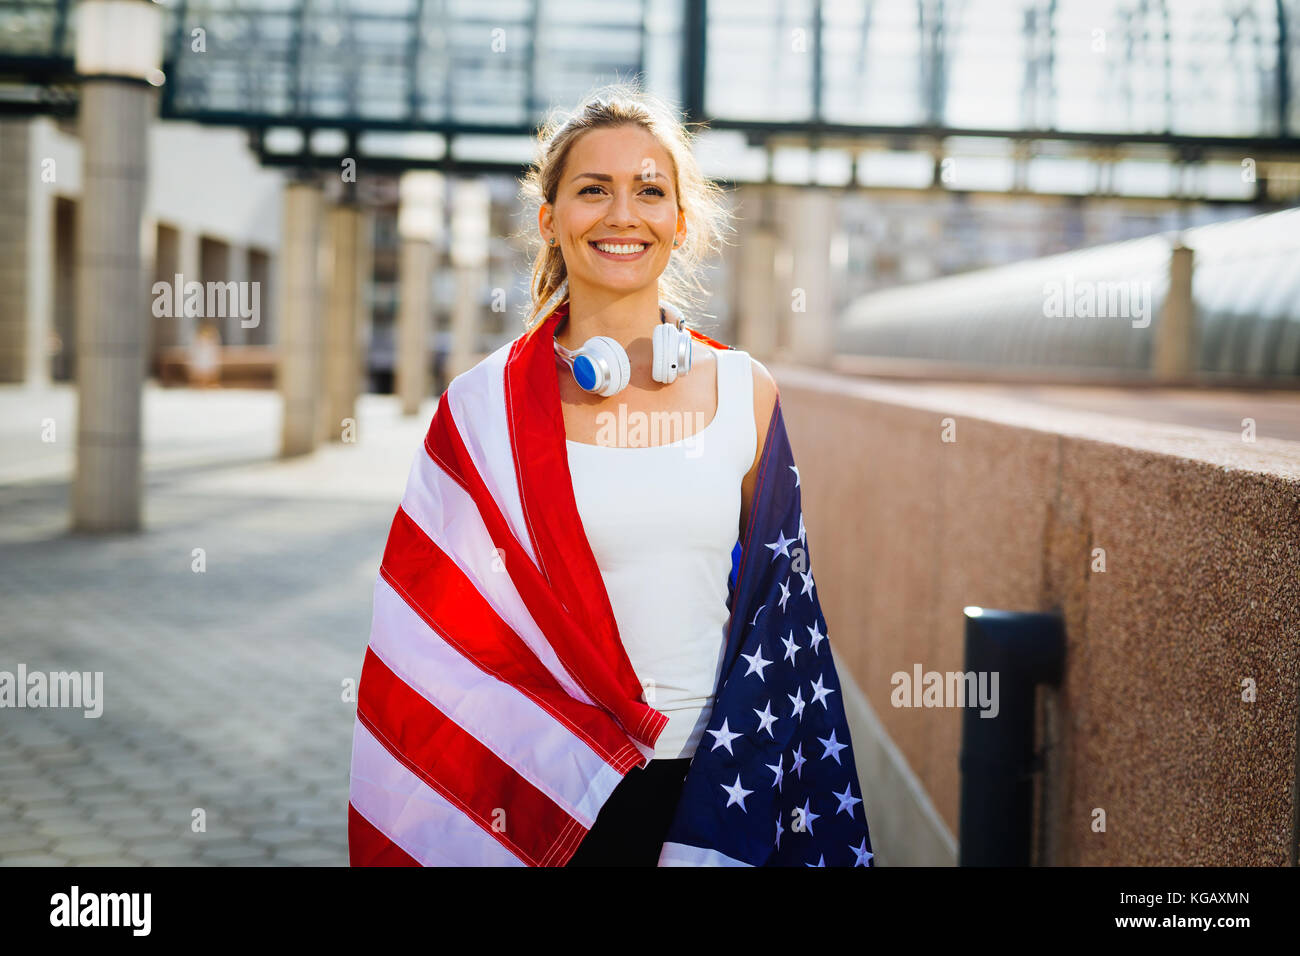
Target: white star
x: 756, y: 614
x: 778, y: 770
x: 795, y: 469
x: 781, y: 545
x: 779, y: 830
x: 785, y: 594
x: 791, y: 648
x: 723, y: 738
x: 801, y: 531
x: 766, y: 719
x: 798, y: 702
x: 820, y: 692
x: 736, y: 793
x: 807, y: 817
x: 756, y: 662
x: 833, y: 746
x: 807, y: 582
x: 863, y: 853
x: 798, y: 761
x: 817, y: 636
x: 821, y: 861
x: 847, y: 800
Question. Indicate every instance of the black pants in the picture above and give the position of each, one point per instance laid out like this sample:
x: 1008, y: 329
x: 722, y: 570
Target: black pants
x: 631, y: 826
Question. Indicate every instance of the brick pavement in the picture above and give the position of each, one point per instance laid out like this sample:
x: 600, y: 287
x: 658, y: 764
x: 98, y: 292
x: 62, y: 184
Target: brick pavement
x: 223, y: 689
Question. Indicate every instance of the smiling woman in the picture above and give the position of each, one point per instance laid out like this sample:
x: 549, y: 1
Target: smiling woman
x: 626, y: 219
x: 627, y: 149
x: 561, y: 611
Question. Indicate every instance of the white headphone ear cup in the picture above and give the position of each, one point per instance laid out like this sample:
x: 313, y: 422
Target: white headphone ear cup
x: 659, y: 363
x: 604, y: 348
x: 672, y: 353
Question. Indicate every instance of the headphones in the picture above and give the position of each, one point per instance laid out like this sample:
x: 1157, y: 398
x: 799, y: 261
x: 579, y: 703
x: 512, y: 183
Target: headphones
x: 602, y: 366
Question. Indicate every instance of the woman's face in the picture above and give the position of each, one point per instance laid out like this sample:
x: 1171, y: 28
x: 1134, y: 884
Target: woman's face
x: 615, y: 213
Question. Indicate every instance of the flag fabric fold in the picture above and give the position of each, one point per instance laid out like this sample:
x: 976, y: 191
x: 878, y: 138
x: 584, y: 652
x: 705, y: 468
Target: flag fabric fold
x: 773, y: 782
x: 498, y: 709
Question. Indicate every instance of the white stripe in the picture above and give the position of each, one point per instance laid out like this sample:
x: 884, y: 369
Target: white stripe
x: 413, y: 815
x: 478, y: 395
x: 681, y: 854
x: 524, y: 735
x: 447, y: 514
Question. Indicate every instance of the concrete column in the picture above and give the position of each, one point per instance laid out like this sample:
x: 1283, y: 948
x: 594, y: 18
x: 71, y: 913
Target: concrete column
x: 757, y: 297
x: 419, y: 224
x: 471, y: 223
x: 26, y: 254
x: 415, y: 280
x: 812, y: 222
x: 16, y: 190
x: 190, y: 260
x: 300, y: 325
x: 347, y: 287
x: 364, y: 318
x: 113, y: 314
x: 233, y: 331
x: 119, y: 49
x: 1174, y: 352
x: 166, y: 327
x: 42, y: 235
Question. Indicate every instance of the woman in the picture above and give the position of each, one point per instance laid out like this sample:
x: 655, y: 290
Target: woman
x: 553, y: 611
x: 622, y: 197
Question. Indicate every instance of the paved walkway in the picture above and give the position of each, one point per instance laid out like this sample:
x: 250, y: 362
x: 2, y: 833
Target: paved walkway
x: 222, y: 690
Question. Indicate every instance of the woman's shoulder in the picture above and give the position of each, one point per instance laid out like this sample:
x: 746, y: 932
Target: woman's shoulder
x: 765, y: 391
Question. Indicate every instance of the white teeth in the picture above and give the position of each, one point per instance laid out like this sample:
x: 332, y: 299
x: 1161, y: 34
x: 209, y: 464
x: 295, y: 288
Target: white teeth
x: 620, y: 250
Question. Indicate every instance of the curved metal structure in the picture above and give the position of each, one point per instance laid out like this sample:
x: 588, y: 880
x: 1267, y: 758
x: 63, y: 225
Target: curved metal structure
x: 1100, y: 308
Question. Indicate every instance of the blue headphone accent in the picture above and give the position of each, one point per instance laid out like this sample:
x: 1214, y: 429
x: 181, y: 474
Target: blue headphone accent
x: 584, y: 373
x: 601, y: 364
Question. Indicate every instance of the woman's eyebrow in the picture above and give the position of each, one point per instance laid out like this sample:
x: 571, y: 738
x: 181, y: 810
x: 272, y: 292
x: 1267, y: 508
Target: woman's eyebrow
x: 606, y: 178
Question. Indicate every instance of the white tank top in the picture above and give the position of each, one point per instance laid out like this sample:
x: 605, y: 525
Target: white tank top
x: 662, y: 522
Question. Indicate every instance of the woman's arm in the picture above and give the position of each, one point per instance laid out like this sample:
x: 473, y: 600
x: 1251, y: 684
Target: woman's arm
x: 765, y: 392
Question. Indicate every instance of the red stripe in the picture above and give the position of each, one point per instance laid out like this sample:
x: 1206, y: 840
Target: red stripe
x: 436, y: 589
x: 537, y: 439
x: 578, y: 645
x: 700, y: 336
x: 437, y: 750
x: 367, y: 846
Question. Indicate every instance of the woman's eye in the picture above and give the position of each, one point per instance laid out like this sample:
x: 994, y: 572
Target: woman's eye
x: 657, y: 190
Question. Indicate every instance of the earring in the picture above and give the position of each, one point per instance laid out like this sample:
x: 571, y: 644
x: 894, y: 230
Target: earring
x: 553, y: 240
x: 674, y: 243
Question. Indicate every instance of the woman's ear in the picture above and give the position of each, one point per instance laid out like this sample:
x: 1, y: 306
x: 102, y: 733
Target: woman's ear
x: 544, y: 217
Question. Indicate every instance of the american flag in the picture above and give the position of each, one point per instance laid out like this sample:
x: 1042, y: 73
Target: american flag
x: 498, y: 709
x: 773, y: 782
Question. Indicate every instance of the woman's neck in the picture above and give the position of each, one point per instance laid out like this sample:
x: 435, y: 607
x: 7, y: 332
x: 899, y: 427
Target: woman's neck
x: 624, y: 318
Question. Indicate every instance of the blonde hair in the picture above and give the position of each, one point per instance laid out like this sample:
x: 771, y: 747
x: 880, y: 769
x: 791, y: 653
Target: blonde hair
x: 707, y: 215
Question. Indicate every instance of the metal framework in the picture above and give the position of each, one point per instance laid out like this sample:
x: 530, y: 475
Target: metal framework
x: 1193, y: 80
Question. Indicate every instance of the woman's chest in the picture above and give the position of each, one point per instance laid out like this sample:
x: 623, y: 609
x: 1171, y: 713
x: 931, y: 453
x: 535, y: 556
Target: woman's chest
x: 645, y: 413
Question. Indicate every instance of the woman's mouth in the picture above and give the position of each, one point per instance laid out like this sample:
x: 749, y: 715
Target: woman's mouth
x: 621, y: 251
